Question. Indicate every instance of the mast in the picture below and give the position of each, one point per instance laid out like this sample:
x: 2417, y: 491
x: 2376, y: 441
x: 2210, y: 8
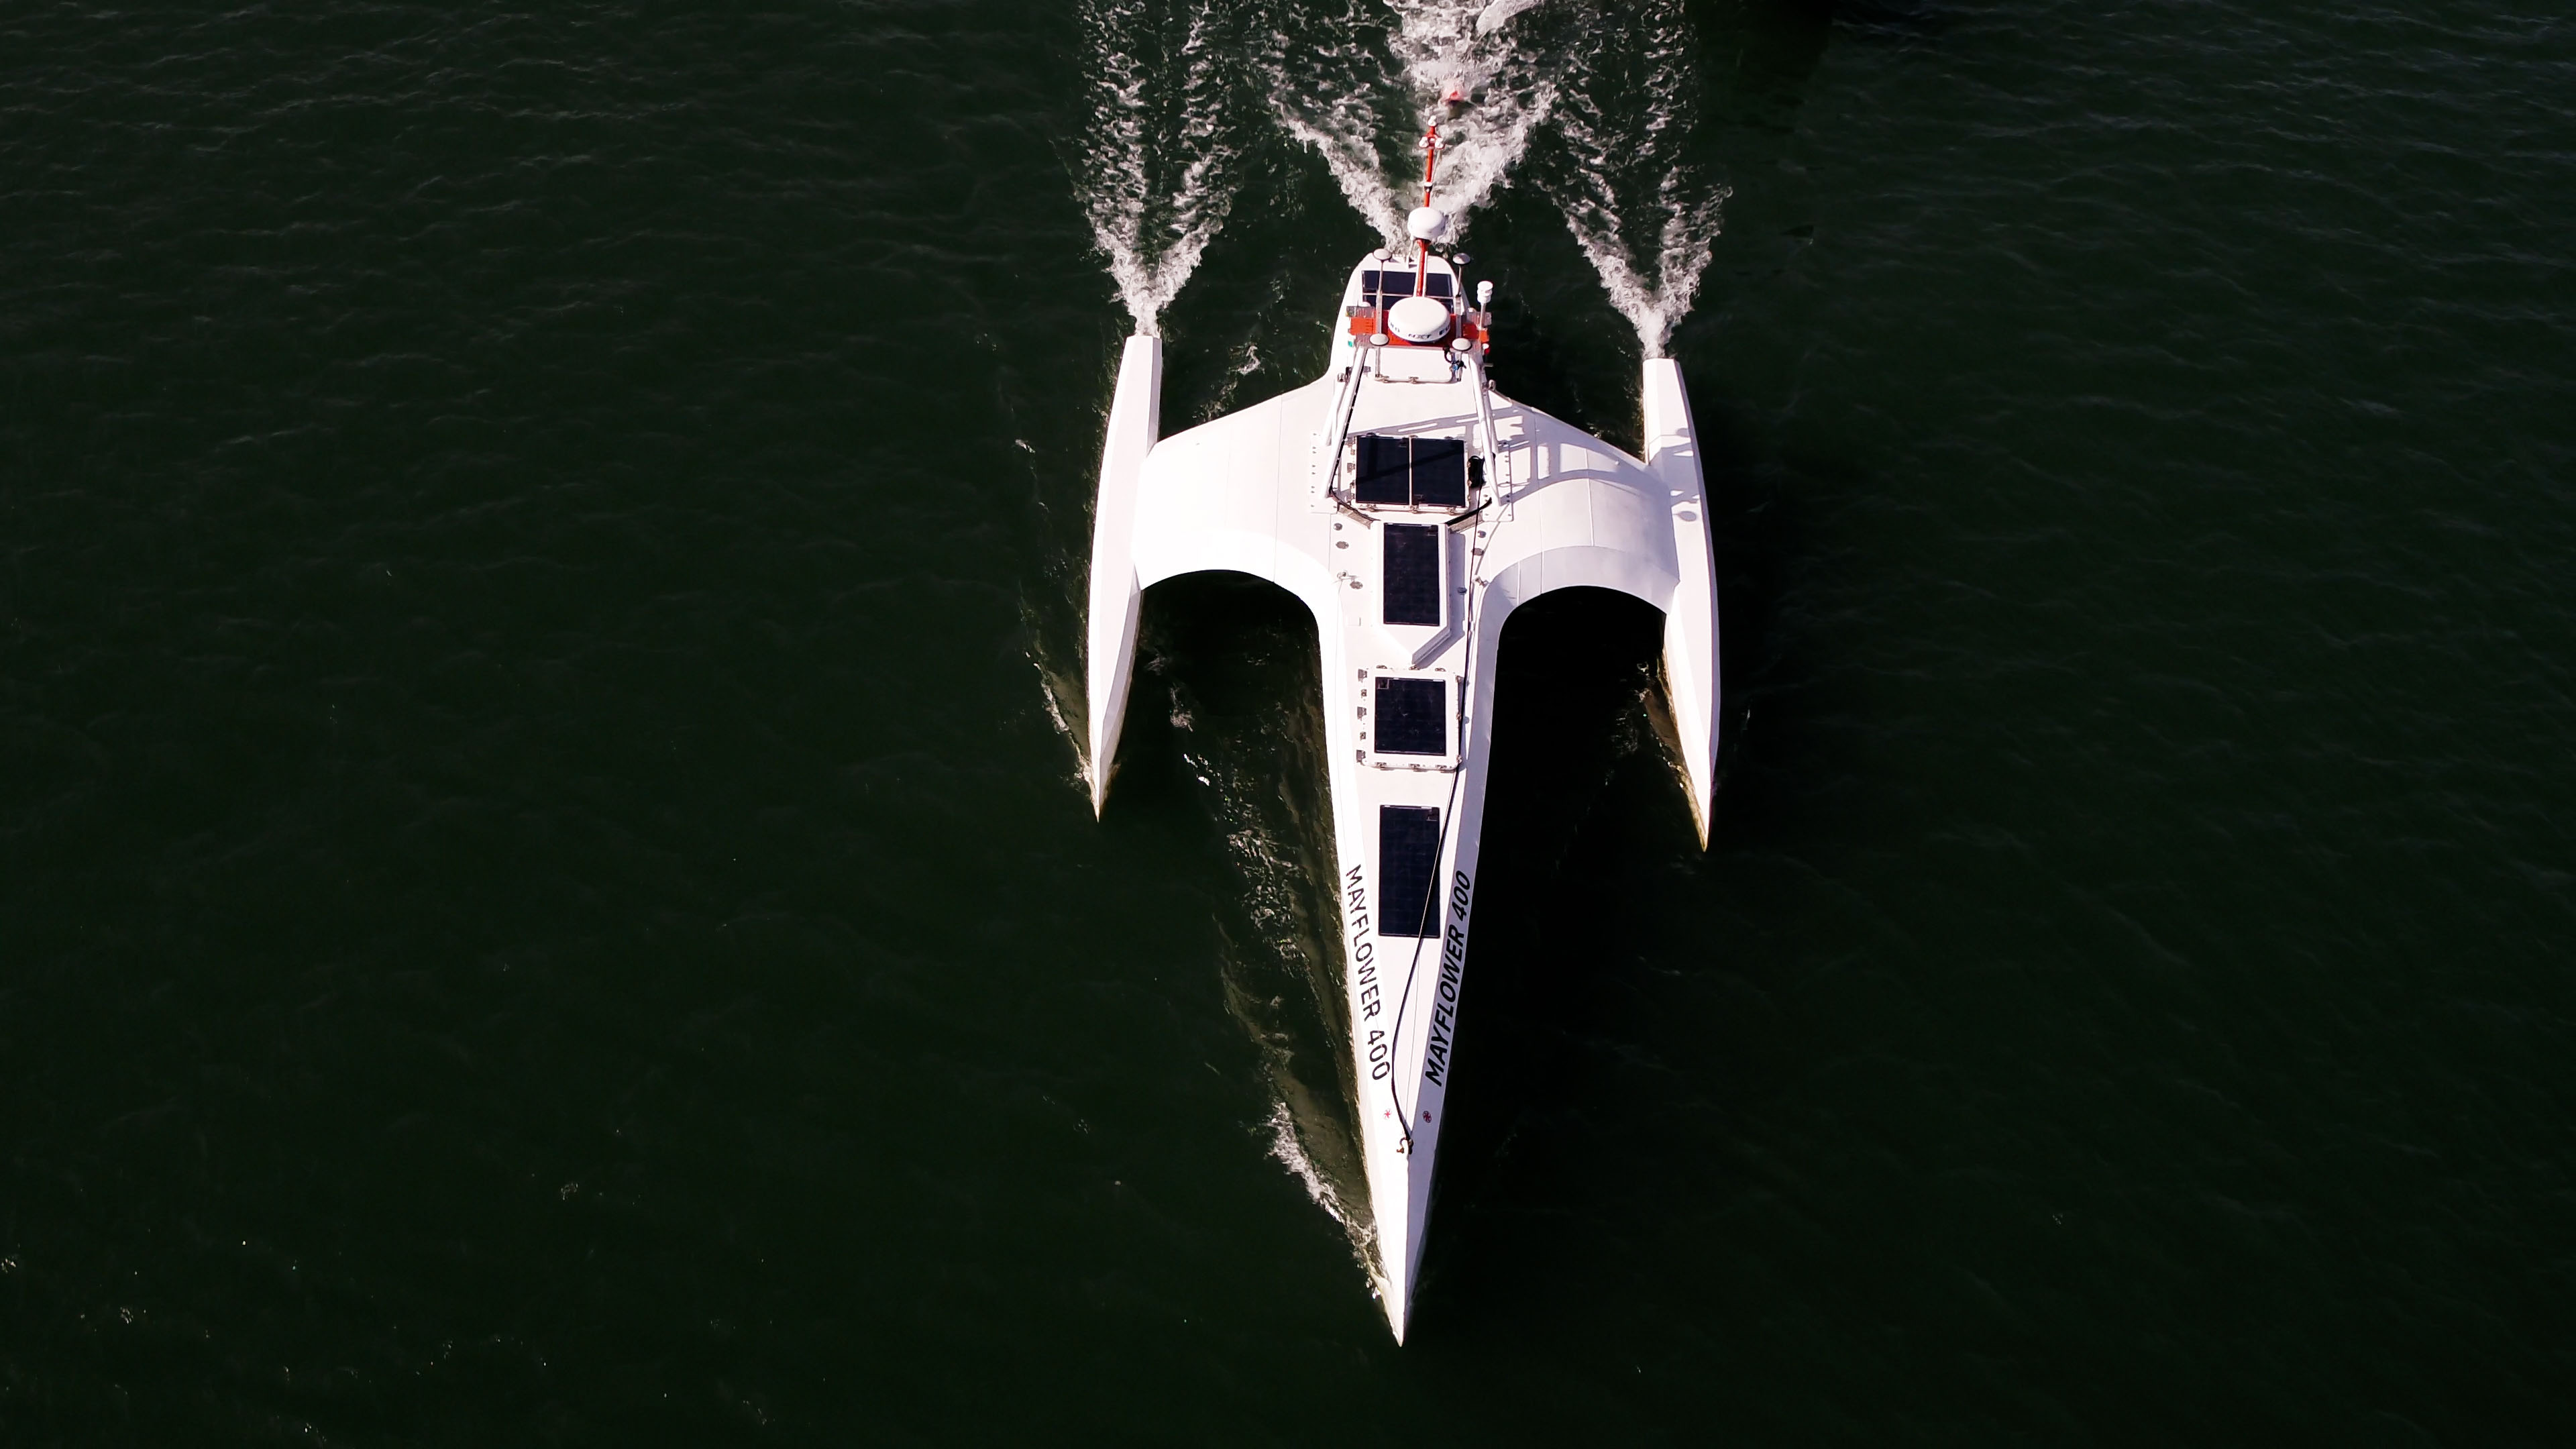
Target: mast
x: 1430, y: 166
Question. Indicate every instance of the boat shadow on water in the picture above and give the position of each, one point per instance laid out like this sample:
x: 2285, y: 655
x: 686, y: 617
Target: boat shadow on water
x: 1595, y: 893
x: 1231, y: 727
x: 1594, y: 887
x: 1225, y: 726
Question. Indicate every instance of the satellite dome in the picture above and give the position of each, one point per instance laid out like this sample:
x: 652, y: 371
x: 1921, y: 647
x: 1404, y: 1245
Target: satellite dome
x: 1427, y: 223
x: 1422, y: 320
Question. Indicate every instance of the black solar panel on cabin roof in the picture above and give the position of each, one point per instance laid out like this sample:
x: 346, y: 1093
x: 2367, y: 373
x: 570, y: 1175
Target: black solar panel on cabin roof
x: 1412, y: 717
x: 1386, y: 284
x: 1414, y: 472
x: 1393, y: 284
x: 1385, y: 471
x: 1439, y: 473
x: 1408, y: 857
x: 1410, y: 590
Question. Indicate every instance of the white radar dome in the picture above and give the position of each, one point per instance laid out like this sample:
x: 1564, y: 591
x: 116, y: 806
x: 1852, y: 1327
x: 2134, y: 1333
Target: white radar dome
x: 1427, y: 223
x: 1419, y: 319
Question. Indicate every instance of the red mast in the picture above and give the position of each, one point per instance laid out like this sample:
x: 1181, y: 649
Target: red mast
x: 1430, y: 166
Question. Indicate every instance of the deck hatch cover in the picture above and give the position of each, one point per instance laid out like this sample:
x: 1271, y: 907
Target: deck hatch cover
x: 1412, y: 716
x: 1408, y: 856
x: 1412, y: 588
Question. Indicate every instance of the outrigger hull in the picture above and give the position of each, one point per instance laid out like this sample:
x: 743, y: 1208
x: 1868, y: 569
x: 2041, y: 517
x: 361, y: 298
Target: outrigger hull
x: 1411, y: 508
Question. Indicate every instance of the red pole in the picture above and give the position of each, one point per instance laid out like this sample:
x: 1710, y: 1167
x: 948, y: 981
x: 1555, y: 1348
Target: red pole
x: 1430, y: 166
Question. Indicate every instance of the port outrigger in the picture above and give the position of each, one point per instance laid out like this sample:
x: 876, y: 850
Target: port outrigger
x: 1412, y: 508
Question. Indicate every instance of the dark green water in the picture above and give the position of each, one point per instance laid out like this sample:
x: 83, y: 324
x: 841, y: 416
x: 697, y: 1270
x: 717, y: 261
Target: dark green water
x: 542, y: 900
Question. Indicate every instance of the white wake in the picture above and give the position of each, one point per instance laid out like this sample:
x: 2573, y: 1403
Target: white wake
x: 1157, y: 157
x: 1358, y: 84
x: 1360, y: 92
x: 1646, y: 215
x: 1291, y: 1154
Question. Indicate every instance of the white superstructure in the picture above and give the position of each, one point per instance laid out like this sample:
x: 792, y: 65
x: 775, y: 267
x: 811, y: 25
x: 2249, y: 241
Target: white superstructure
x: 1412, y: 508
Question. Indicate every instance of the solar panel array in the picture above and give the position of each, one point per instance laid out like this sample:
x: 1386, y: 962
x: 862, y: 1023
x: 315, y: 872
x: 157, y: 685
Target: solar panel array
x: 1389, y: 285
x: 1413, y: 472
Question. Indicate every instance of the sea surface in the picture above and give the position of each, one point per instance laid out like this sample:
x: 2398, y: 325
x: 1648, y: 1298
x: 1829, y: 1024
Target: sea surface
x: 547, y: 894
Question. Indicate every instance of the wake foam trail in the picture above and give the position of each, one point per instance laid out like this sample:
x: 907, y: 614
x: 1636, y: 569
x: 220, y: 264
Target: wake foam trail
x: 1055, y: 686
x: 1289, y: 1149
x: 1360, y: 95
x: 1355, y: 164
x: 1157, y: 158
x: 1290, y: 1155
x: 1626, y: 182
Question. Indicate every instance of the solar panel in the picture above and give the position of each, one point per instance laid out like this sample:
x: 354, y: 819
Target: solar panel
x: 1439, y: 473
x: 1415, y: 472
x: 1413, y: 716
x: 1408, y: 856
x: 1412, y: 585
x: 1385, y: 471
x: 1388, y: 285
x: 1393, y: 284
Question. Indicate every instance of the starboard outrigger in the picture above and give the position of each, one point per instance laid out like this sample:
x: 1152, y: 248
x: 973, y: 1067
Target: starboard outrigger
x: 1412, y: 508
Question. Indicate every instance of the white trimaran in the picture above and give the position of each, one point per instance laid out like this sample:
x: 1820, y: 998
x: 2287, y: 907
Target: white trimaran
x: 1412, y: 507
